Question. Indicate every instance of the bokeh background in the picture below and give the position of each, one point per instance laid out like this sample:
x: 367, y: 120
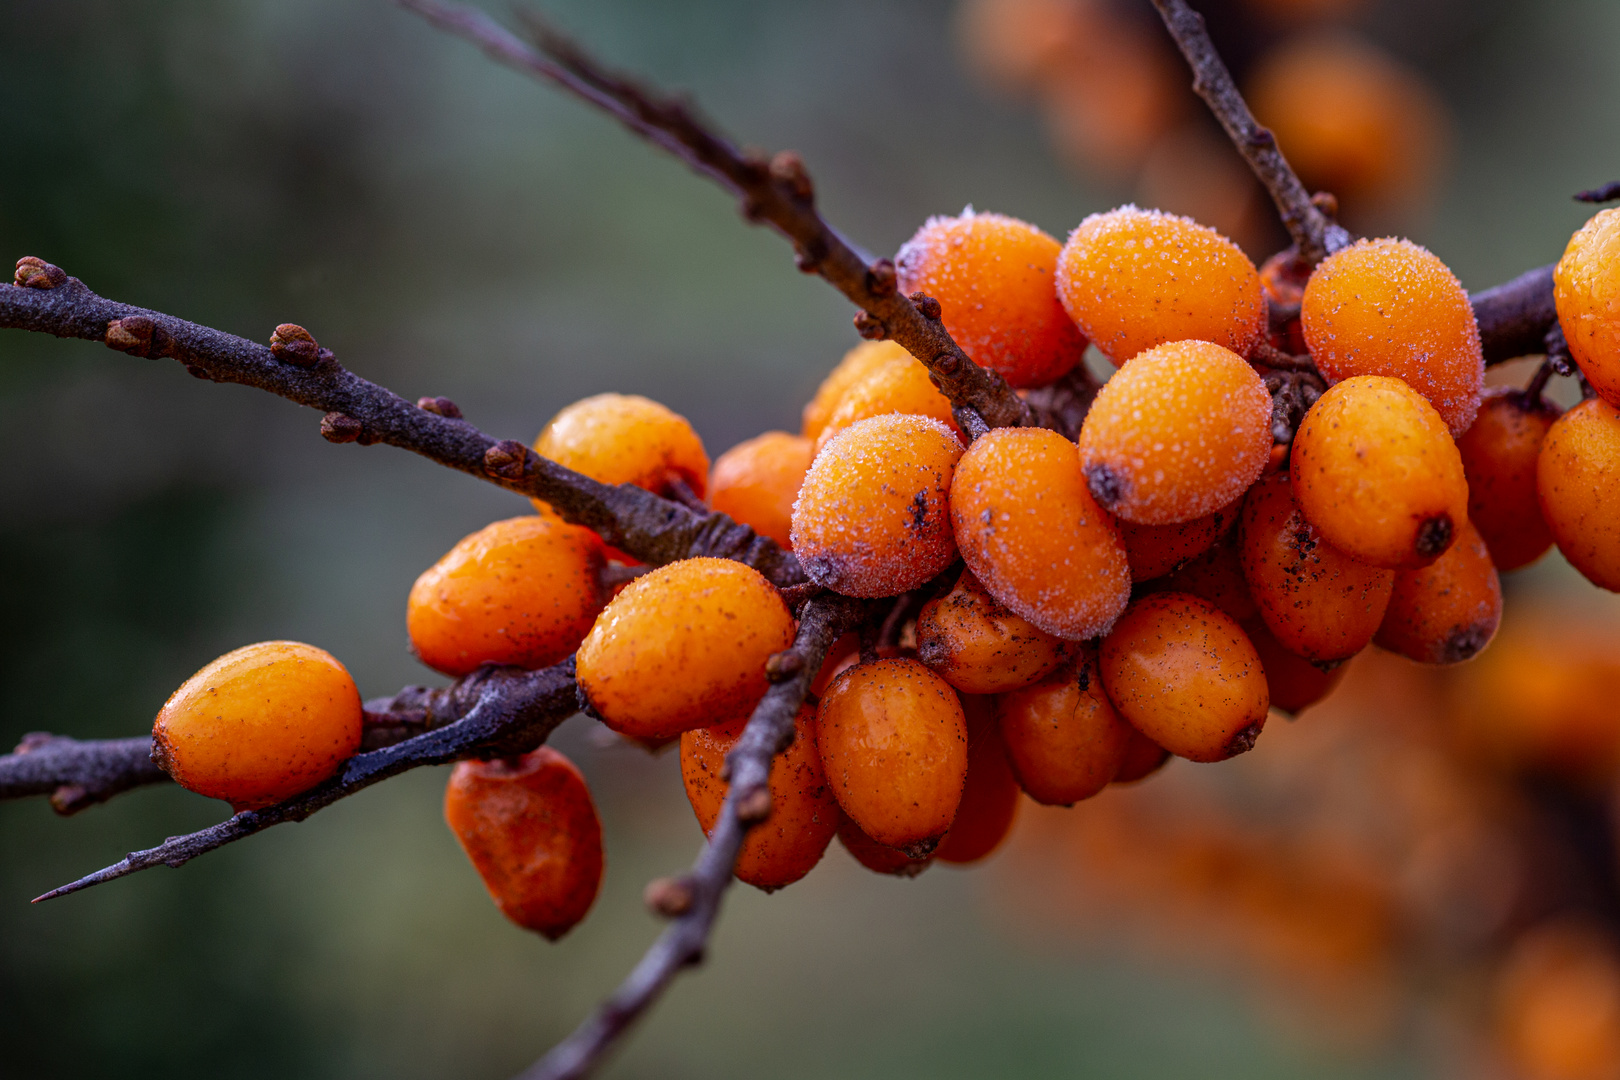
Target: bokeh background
x: 450, y: 228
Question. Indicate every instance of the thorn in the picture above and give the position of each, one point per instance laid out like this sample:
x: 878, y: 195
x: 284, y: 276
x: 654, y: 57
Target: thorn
x: 787, y: 168
x: 34, y: 273
x: 667, y: 896
x: 69, y: 799
x: 292, y: 344
x: 755, y: 806
x: 782, y: 666
x: 927, y: 306
x: 870, y: 326
x: 439, y: 406
x: 339, y: 427
x: 507, y: 459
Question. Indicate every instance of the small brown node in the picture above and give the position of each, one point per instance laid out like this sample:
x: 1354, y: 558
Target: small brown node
x: 782, y: 666
x: 920, y: 849
x: 292, y: 344
x: 870, y: 327
x: 881, y: 277
x: 197, y: 372
x: 507, y: 459
x: 1244, y: 741
x: 36, y: 273
x: 927, y: 306
x: 69, y: 799
x: 1434, y: 536
x: 1327, y: 202
x: 755, y: 806
x: 35, y: 740
x: 787, y: 168
x: 133, y: 334
x: 667, y: 896
x: 439, y: 406
x: 947, y: 364
x: 339, y: 427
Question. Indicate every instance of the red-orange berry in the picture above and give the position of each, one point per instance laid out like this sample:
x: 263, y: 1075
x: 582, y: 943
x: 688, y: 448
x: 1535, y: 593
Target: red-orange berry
x: 1448, y: 611
x: 1063, y: 737
x: 756, y: 482
x: 1030, y: 531
x: 787, y: 844
x: 1499, y: 460
x: 1575, y: 476
x: 531, y: 831
x: 1216, y: 576
x: 1143, y: 758
x: 259, y: 725
x: 900, y: 386
x: 980, y: 647
x: 989, y: 795
x: 1156, y: 550
x: 876, y: 857
x: 863, y: 359
x: 1586, y: 288
x: 1181, y: 671
x: 1294, y: 682
x: 993, y: 278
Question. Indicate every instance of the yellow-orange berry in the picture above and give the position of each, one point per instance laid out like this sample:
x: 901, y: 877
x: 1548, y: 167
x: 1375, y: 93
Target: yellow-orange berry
x: 1294, y: 682
x: 1575, y: 476
x: 756, y: 482
x: 876, y: 857
x: 1499, y: 460
x: 1389, y: 307
x: 1030, y: 531
x: 902, y: 386
x: 1132, y: 279
x: 1143, y: 758
x: 259, y: 725
x: 990, y: 793
x: 1063, y: 737
x: 873, y: 517
x: 894, y: 746
x: 1586, y: 288
x: 531, y: 831
x: 1181, y: 671
x: 1320, y: 603
x: 683, y: 646
x: 860, y: 361
x: 787, y: 844
x: 523, y: 591
x: 1156, y: 550
x: 1217, y: 576
x: 980, y: 647
x: 1446, y: 612
x: 993, y: 278
x: 626, y: 439
x: 1375, y: 470
x: 1179, y: 432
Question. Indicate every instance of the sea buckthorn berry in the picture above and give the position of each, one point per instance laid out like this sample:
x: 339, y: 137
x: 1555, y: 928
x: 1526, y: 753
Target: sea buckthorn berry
x: 989, y: 795
x: 625, y: 439
x: 894, y: 746
x: 993, y: 278
x: 1586, y: 288
x: 1143, y: 758
x: 1320, y: 603
x: 1389, y: 307
x: 1376, y: 471
x: 1182, y: 672
x: 683, y: 646
x: 1156, y: 550
x: 756, y: 482
x: 1179, y: 432
x: 873, y: 517
x: 1282, y: 279
x: 902, y: 386
x: 1448, y: 611
x: 1294, y: 682
x: 1030, y: 531
x: 980, y: 647
x: 1575, y: 475
x: 844, y: 654
x: 1217, y: 576
x: 1132, y: 279
x: 531, y: 831
x: 1499, y: 460
x: 862, y: 360
x: 876, y: 857
x: 523, y: 591
x: 787, y: 844
x: 1063, y: 737
x: 1558, y: 1003
x: 259, y: 725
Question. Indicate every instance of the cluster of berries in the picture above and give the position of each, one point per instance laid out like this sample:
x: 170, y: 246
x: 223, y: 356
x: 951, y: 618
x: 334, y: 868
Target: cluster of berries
x: 1076, y: 610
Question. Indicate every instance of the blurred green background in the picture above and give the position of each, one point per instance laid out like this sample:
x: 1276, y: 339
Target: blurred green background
x: 450, y: 228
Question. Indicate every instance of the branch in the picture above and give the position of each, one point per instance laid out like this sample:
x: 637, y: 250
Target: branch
x: 1515, y: 317
x: 1607, y: 193
x: 653, y: 529
x: 695, y: 899
x: 1315, y: 234
x: 778, y: 192
x: 494, y: 712
x: 75, y: 773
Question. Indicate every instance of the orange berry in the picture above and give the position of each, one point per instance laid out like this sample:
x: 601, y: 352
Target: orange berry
x: 1558, y: 1004
x: 1030, y: 531
x: 756, y: 482
x: 980, y: 647
x: 1320, y: 603
x: 804, y: 814
x: 625, y: 439
x: 1586, y: 288
x: 894, y: 746
x: 1179, y: 432
x: 259, y: 725
x: 1294, y: 682
x: 1575, y: 477
x: 873, y: 517
x: 1283, y: 278
x: 876, y: 857
x: 1389, y: 307
x: 1446, y: 612
x: 531, y: 831
x: 990, y: 793
x: 683, y: 646
x: 1156, y: 550
x: 903, y: 386
x: 1143, y: 758
x: 993, y: 278
x: 1216, y: 576
x: 523, y: 591
x: 1376, y: 471
x: 1182, y: 672
x: 1063, y: 737
x: 862, y: 360
x: 1499, y: 460
x: 1132, y: 279
x: 844, y: 654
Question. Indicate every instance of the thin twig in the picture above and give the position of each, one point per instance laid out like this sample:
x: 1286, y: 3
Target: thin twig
x: 1515, y: 316
x: 1607, y: 193
x: 77, y: 773
x: 747, y: 804
x: 1315, y: 234
x: 778, y: 192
